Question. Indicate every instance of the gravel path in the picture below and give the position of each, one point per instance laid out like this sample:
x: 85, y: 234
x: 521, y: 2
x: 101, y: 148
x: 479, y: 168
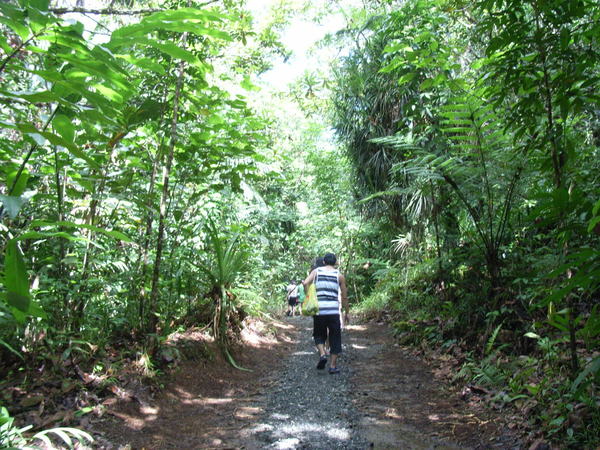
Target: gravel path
x: 306, y: 407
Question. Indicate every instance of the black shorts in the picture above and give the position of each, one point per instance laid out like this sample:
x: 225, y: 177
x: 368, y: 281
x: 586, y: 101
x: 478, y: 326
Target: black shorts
x: 292, y: 301
x: 328, y: 326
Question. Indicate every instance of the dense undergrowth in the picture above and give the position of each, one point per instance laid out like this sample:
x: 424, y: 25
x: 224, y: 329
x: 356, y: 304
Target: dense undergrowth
x: 521, y: 361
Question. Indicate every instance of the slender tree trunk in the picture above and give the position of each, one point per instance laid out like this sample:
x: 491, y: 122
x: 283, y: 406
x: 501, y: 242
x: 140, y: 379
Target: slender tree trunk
x: 142, y: 263
x: 82, y: 297
x: 153, y: 324
x: 437, y: 231
x: 60, y: 268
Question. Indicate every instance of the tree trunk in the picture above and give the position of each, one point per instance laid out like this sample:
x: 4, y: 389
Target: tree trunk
x: 164, y: 201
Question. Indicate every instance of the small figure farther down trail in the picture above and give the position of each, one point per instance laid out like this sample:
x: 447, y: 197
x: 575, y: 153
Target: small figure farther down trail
x: 330, y: 285
x: 301, y: 297
x: 292, y: 298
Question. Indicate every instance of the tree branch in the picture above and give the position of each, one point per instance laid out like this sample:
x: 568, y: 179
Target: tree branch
x: 106, y: 11
x: 117, y: 12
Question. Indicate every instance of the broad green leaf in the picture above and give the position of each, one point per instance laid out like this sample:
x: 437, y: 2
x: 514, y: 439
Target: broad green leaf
x: 35, y: 97
x: 12, y: 205
x: 96, y: 68
x: 14, y: 18
x: 46, y: 235
x: 48, y: 75
x: 20, y: 185
x: 109, y: 93
x: 167, y: 48
x: 16, y: 280
x: 111, y: 233
x: 176, y: 52
x: 592, y: 368
x: 93, y: 98
x: 595, y: 221
x: 18, y: 301
x: 57, y: 140
x: 144, y: 63
x: 396, y: 62
x: 63, y: 125
x: 38, y: 19
x: 596, y: 208
x: 185, y: 14
x: 41, y: 5
x: 60, y: 36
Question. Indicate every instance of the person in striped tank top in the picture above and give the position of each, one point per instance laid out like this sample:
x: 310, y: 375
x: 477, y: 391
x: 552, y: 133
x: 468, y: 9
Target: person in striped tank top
x: 331, y: 286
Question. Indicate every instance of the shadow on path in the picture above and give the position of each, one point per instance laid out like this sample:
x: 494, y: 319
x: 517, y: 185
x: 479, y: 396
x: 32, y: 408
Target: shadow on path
x: 404, y: 406
x: 383, y: 399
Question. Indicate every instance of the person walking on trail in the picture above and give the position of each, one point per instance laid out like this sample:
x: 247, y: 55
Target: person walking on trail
x: 292, y: 298
x: 331, y: 286
x: 301, y: 297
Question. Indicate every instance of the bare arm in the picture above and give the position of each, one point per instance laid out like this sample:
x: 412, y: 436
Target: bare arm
x: 309, y: 279
x: 344, y: 292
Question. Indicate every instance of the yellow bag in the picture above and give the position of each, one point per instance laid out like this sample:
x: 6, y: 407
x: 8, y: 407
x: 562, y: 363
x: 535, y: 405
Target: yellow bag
x: 310, y: 307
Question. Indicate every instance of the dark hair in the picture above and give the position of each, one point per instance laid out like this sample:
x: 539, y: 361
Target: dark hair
x: 329, y: 259
x: 317, y: 263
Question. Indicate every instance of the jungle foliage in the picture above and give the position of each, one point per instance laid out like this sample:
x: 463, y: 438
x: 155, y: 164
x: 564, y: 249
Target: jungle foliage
x: 148, y: 185
x: 473, y: 130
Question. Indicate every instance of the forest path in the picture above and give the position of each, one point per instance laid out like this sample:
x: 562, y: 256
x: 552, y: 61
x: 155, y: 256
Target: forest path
x: 384, y: 398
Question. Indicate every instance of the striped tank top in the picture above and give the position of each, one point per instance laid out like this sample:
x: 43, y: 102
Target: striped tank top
x: 328, y: 288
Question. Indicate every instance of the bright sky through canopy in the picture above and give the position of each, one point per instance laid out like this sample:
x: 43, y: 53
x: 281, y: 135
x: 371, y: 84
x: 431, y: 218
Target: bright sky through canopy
x: 300, y: 36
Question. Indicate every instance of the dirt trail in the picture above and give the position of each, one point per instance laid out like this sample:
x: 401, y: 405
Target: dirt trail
x: 383, y: 399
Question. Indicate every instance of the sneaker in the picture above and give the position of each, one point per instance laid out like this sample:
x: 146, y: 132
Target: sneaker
x: 333, y: 370
x: 322, y: 362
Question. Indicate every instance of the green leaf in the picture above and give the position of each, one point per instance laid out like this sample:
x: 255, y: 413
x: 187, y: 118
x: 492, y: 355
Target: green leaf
x: 109, y: 93
x: 16, y: 280
x: 20, y: 185
x: 14, y: 18
x: 46, y: 235
x: 176, y: 52
x: 18, y: 301
x: 10, y: 349
x: 144, y: 63
x: 12, y: 204
x: 248, y: 85
x: 596, y: 208
x: 595, y: 221
x: 565, y: 38
x: 63, y: 125
x: 592, y: 368
x: 58, y: 140
x: 111, y: 233
x: 41, y: 5
x: 35, y: 97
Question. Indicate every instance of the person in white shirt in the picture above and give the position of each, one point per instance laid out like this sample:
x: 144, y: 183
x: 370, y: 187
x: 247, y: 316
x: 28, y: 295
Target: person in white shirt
x: 292, y: 298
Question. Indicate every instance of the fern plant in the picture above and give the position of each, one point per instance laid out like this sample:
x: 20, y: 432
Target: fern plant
x: 13, y: 437
x: 479, y: 166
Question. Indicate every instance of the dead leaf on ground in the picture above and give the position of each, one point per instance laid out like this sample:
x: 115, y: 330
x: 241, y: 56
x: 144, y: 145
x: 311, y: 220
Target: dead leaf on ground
x: 33, y: 400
